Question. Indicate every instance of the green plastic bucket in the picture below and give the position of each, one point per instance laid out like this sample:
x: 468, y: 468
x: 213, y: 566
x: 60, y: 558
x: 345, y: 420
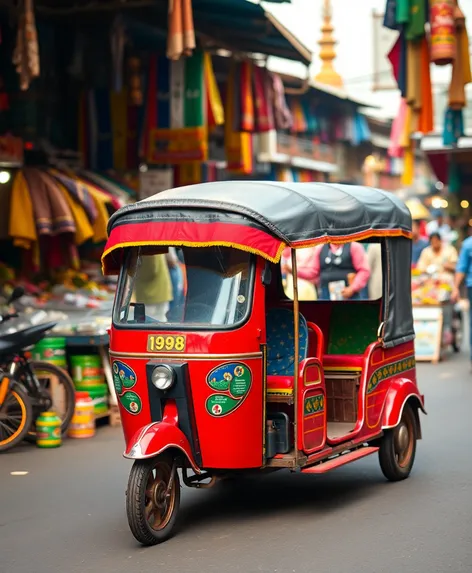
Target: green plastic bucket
x: 98, y: 395
x: 87, y: 370
x: 48, y: 430
x: 52, y: 350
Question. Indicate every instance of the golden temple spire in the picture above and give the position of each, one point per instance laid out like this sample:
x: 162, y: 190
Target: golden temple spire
x: 328, y: 74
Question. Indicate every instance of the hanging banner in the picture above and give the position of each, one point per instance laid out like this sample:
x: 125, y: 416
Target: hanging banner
x: 178, y: 145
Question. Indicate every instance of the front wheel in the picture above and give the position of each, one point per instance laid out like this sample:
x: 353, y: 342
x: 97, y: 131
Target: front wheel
x: 153, y: 499
x: 398, y: 447
x: 16, y: 417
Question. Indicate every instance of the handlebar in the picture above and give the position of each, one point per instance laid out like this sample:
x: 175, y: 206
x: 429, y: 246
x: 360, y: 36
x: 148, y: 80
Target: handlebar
x: 8, y: 316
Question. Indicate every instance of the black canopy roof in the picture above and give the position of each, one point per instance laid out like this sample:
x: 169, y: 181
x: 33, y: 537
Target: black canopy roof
x: 297, y: 213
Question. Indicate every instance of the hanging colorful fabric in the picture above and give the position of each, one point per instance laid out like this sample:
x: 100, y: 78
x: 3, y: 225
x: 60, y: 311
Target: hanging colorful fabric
x: 417, y: 20
x: 453, y: 126
x: 194, y: 91
x: 247, y: 102
x: 215, y: 111
x: 264, y: 113
x: 390, y: 17
x: 282, y: 115
x: 426, y: 118
x: 443, y: 32
x: 408, y: 174
x: 186, y: 140
x: 238, y: 146
x: 402, y: 11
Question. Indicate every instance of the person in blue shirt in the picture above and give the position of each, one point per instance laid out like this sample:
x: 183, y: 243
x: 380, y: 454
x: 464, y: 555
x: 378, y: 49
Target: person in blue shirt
x: 418, y: 244
x: 464, y: 272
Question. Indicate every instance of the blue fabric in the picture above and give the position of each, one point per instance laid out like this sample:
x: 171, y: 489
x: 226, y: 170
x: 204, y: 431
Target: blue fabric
x: 281, y: 342
x: 416, y: 250
x: 464, y: 264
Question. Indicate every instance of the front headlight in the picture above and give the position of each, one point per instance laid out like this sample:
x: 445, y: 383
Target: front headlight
x: 163, y: 377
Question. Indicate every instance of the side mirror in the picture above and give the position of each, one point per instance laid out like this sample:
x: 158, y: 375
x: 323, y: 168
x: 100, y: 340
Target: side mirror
x: 267, y: 275
x: 17, y: 293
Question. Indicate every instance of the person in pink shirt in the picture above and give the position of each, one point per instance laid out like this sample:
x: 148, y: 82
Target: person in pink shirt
x: 333, y: 263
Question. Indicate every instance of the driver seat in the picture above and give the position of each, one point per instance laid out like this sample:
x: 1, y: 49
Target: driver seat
x: 281, y: 350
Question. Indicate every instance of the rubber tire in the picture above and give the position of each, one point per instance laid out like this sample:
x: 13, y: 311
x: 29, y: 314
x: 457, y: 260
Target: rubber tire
x: 69, y: 388
x: 23, y: 396
x: 135, y: 496
x: 388, y: 463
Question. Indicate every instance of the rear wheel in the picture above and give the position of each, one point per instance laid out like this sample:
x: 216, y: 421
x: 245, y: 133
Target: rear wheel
x: 57, y: 393
x: 16, y: 417
x: 153, y: 499
x: 398, y: 447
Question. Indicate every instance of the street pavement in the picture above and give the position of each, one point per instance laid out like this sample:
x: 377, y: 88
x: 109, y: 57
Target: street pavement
x: 67, y: 514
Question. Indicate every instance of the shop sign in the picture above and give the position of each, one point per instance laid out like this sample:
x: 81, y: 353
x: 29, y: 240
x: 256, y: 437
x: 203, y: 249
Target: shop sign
x: 176, y: 146
x: 307, y: 148
x: 11, y: 150
x: 428, y: 323
x: 154, y: 181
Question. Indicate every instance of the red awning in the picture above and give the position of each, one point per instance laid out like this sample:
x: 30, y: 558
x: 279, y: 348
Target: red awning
x: 188, y: 234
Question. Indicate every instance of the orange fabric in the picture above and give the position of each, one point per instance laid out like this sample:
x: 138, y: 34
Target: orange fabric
x: 181, y: 35
x: 426, y: 116
x: 414, y: 92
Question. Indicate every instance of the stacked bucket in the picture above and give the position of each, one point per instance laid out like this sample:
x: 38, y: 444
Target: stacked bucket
x: 88, y: 376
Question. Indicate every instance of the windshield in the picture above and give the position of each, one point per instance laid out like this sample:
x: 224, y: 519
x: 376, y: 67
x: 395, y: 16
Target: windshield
x: 215, y: 293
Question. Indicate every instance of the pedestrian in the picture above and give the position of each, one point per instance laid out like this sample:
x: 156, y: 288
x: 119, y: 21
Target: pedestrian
x: 464, y: 274
x: 439, y: 225
x: 418, y: 243
x: 439, y: 257
x: 154, y: 287
x: 335, y: 263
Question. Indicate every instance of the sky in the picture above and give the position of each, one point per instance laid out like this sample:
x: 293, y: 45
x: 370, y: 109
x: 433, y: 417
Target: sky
x: 353, y: 30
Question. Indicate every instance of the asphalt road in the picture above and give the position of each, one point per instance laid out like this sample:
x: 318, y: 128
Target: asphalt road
x: 67, y: 514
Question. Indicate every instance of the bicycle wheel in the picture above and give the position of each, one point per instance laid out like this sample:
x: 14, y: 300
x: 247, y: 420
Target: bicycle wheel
x: 57, y: 392
x: 16, y: 417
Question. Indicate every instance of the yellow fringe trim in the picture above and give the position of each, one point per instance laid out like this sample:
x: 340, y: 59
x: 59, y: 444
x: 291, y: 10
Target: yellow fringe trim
x: 238, y: 246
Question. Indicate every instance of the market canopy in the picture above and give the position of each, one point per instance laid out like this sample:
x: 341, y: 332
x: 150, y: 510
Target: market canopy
x: 239, y: 25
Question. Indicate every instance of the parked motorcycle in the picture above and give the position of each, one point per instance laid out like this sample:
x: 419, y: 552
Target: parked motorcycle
x: 47, y: 386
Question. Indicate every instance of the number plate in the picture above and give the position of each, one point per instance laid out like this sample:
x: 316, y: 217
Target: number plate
x: 165, y: 343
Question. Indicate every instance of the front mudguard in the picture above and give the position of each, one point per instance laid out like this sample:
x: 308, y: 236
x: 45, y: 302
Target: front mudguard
x: 155, y: 439
x: 401, y: 391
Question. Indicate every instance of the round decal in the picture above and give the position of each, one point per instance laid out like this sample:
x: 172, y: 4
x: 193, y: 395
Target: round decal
x: 233, y: 382
x: 131, y: 402
x: 124, y: 377
x: 220, y: 405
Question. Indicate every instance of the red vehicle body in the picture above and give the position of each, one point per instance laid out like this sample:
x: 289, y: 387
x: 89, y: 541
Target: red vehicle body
x: 219, y: 395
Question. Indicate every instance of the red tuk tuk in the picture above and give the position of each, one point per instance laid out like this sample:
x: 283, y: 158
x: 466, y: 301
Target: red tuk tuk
x: 239, y: 377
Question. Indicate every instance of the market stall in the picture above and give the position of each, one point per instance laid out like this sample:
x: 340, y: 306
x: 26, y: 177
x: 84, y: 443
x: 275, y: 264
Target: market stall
x: 433, y: 315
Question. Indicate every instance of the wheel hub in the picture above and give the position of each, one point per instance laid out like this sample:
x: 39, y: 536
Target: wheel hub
x: 159, y: 498
x: 402, y: 438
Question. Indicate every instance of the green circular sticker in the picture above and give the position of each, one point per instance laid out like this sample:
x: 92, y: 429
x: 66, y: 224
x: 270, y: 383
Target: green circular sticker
x: 124, y: 377
x: 220, y: 405
x: 131, y: 402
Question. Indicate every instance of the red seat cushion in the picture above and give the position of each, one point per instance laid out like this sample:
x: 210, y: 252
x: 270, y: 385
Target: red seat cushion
x: 280, y: 384
x: 343, y: 361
